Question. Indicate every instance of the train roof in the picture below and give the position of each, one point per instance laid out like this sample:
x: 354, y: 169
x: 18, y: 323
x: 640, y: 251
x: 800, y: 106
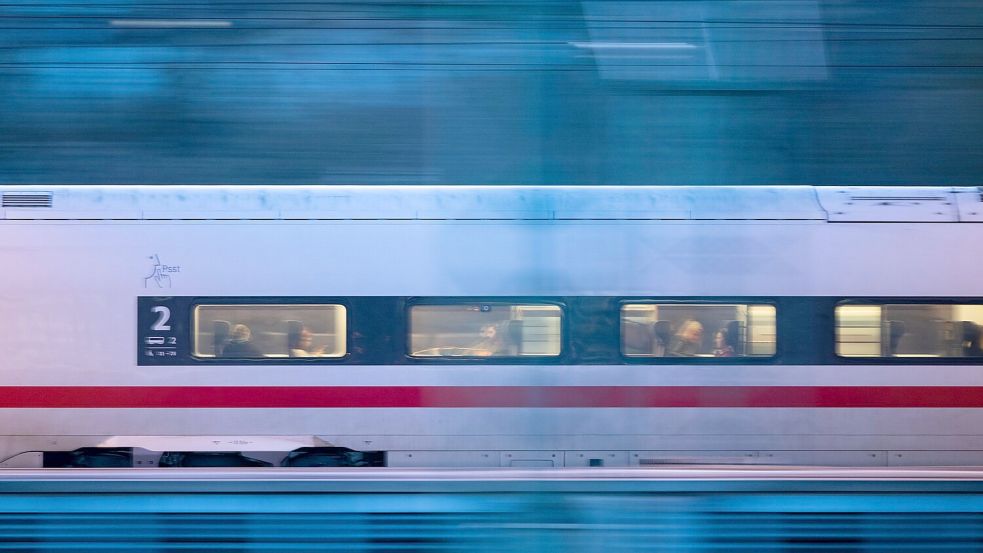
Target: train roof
x: 556, y: 203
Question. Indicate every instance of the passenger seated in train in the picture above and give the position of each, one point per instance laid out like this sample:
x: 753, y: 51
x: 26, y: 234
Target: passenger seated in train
x: 971, y: 340
x: 721, y: 344
x: 240, y: 343
x: 301, y: 342
x: 492, y: 342
x: 688, y: 340
x: 649, y: 339
x: 896, y: 330
x: 661, y: 338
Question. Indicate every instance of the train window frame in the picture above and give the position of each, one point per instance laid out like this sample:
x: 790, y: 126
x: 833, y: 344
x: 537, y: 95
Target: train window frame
x: 270, y: 301
x: 897, y: 360
x: 773, y: 359
x: 559, y: 358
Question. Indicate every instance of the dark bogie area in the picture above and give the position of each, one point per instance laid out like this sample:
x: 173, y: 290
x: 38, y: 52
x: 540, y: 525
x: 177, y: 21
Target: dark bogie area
x: 209, y: 459
x: 334, y: 457
x: 89, y: 457
x: 96, y: 457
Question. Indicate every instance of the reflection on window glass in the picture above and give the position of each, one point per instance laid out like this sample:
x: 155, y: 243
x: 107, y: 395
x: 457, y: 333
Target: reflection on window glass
x: 690, y: 330
x: 484, y: 330
x: 908, y: 330
x: 269, y: 331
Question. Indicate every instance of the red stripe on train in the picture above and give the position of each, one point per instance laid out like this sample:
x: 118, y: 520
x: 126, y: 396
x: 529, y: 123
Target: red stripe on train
x: 488, y: 396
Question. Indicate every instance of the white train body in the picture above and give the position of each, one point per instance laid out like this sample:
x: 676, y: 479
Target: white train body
x: 75, y: 260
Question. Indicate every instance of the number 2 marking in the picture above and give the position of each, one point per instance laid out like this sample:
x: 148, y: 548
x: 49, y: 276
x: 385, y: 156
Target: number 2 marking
x: 164, y: 313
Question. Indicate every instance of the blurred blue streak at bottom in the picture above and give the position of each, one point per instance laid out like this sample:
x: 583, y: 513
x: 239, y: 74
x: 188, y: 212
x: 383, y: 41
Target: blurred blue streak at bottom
x: 769, y: 520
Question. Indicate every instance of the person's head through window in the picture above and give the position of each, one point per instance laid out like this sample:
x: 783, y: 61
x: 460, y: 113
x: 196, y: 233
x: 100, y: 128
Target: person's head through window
x: 492, y: 341
x: 302, y: 344
x: 689, y: 339
x: 240, y: 333
x: 691, y: 331
x: 971, y: 339
x: 489, y: 332
x: 721, y: 347
x: 240, y: 343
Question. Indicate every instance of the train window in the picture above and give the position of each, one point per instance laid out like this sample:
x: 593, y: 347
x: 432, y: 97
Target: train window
x: 485, y: 330
x: 908, y: 330
x: 697, y: 330
x: 269, y: 331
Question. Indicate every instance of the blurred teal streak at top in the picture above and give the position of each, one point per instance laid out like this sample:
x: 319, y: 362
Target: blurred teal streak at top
x: 492, y: 92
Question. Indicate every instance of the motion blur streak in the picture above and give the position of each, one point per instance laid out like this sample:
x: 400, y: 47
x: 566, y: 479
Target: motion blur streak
x: 492, y: 92
x: 167, y: 23
x: 676, y: 509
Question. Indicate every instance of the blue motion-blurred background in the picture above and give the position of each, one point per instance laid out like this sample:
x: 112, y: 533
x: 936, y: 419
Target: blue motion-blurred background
x: 492, y: 92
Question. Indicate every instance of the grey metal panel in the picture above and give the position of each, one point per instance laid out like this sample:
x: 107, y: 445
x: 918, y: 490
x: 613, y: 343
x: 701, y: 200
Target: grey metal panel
x: 889, y: 204
x: 434, y: 459
x: 26, y: 460
x: 935, y: 458
x: 605, y: 458
x: 430, y: 203
x: 970, y: 204
x: 672, y: 457
x: 531, y: 459
x: 824, y: 458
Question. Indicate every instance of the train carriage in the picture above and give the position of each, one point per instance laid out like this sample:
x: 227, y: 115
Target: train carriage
x: 490, y: 326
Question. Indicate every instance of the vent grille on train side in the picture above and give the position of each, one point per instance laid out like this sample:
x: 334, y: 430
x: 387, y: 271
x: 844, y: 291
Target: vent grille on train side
x: 27, y: 199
